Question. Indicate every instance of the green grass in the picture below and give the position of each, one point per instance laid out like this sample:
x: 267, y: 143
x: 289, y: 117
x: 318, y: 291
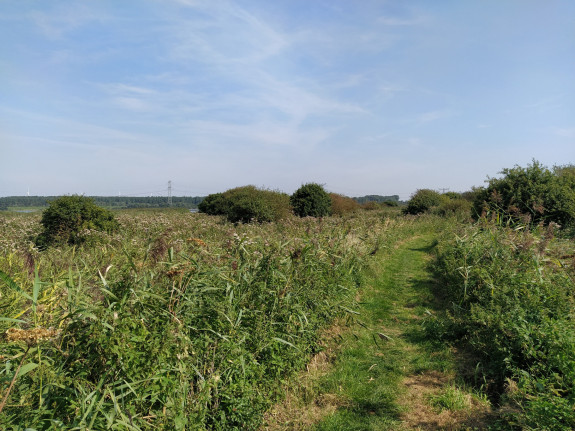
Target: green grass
x: 388, y: 345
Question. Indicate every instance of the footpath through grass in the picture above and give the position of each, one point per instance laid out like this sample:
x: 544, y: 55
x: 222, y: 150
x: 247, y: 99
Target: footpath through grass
x: 386, y: 374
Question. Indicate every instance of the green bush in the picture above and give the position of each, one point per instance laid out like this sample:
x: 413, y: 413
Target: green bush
x: 454, y: 206
x: 534, y: 194
x: 69, y: 219
x: 422, y: 201
x: 311, y: 200
x: 246, y: 204
x: 214, y: 204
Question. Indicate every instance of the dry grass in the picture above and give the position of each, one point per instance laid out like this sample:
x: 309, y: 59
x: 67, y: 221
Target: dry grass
x: 421, y: 413
x: 302, y: 406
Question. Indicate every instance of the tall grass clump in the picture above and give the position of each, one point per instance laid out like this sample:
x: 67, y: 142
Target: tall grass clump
x: 511, y: 295
x: 175, y: 322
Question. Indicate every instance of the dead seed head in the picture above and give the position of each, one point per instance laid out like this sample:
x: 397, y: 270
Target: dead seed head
x: 198, y: 241
x: 30, y: 336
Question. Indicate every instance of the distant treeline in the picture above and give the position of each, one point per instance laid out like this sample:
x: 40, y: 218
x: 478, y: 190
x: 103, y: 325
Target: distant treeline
x: 117, y: 202
x: 106, y: 201
x: 376, y: 198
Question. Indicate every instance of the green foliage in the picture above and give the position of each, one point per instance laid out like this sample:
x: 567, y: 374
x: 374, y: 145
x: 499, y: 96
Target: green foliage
x: 247, y: 204
x: 311, y: 200
x: 422, y: 201
x: 106, y: 201
x: 376, y: 199
x: 454, y: 205
x: 69, y: 219
x: 214, y: 204
x: 512, y: 294
x: 182, y: 322
x: 533, y: 194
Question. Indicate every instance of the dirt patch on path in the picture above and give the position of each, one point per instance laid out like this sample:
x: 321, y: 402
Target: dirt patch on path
x: 427, y: 401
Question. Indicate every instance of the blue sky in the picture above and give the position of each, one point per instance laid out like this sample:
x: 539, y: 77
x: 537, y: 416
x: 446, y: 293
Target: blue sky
x: 366, y: 97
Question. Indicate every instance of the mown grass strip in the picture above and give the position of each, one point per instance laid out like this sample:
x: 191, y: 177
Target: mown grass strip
x: 388, y: 356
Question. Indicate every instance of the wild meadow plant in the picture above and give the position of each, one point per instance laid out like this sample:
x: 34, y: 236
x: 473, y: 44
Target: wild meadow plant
x: 174, y: 321
x: 511, y: 296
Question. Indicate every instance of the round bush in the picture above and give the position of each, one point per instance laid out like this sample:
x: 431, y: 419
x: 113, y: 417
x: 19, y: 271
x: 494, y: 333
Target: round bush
x: 246, y: 204
x: 67, y: 219
x: 421, y: 201
x: 311, y: 200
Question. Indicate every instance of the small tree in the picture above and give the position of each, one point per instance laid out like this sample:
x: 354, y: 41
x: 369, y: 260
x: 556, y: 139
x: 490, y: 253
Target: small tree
x: 421, y: 201
x: 68, y: 218
x: 311, y: 200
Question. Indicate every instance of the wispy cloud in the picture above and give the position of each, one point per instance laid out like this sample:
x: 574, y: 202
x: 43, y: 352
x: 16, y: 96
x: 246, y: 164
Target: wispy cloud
x: 432, y: 116
x: 565, y: 132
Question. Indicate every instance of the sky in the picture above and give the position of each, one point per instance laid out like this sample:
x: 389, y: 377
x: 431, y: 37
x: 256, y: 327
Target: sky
x: 108, y: 97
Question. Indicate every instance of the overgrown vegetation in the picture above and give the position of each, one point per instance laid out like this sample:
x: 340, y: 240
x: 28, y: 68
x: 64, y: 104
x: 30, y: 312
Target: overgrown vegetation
x: 511, y: 294
x: 177, y: 321
x: 168, y: 320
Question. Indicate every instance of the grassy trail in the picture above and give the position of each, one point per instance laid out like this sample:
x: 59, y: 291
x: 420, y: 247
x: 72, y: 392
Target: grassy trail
x: 388, y: 376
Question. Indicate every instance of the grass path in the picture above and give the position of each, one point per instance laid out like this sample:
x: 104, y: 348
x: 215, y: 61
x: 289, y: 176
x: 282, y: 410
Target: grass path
x: 388, y: 375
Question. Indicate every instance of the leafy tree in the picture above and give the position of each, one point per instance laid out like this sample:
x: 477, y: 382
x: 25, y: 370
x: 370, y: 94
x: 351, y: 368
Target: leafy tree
x: 531, y: 194
x: 67, y: 219
x: 311, y: 200
x: 421, y: 201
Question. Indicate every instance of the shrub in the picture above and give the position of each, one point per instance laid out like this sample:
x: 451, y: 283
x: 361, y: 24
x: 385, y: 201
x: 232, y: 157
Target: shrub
x: 422, y: 201
x: 311, y: 200
x: 454, y: 206
x: 533, y: 194
x: 214, y: 204
x: 341, y: 205
x: 246, y: 204
x: 68, y: 219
